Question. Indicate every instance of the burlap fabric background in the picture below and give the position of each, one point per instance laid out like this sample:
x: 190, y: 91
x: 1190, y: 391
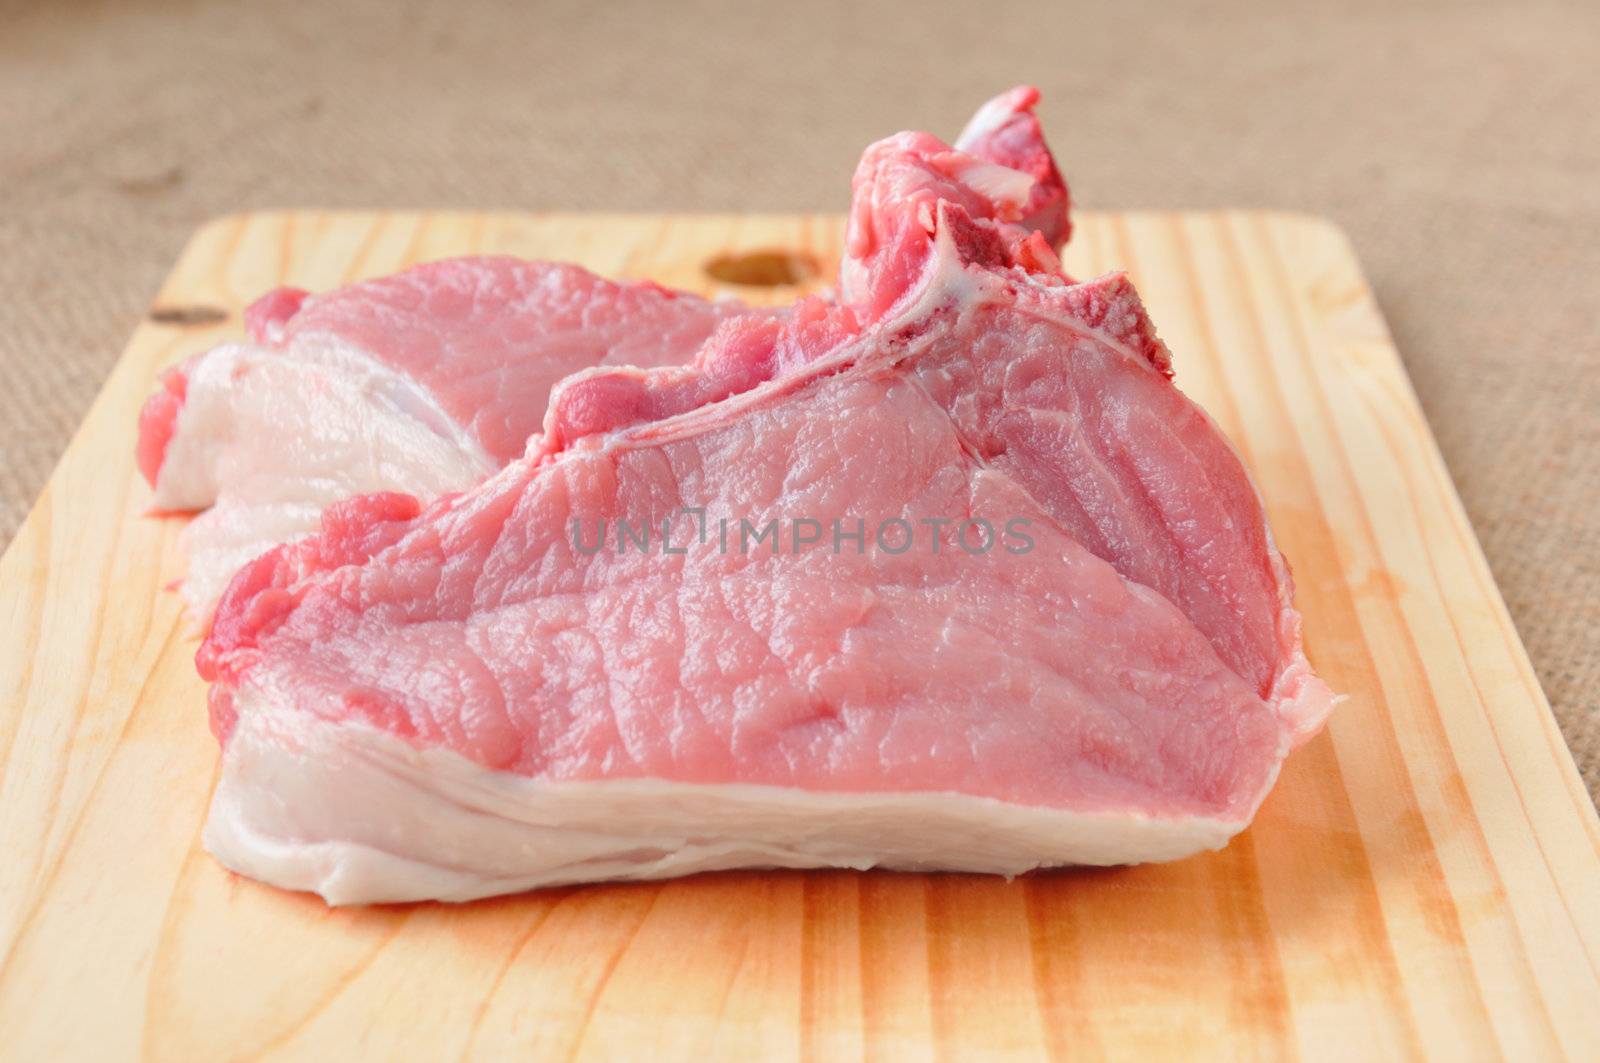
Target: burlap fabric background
x: 1457, y: 143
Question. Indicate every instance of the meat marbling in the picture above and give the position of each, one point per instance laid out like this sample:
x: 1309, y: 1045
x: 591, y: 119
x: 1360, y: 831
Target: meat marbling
x: 495, y: 692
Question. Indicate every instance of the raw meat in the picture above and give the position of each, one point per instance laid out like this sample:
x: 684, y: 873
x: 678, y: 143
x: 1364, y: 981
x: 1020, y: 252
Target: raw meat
x: 426, y: 381
x: 1005, y: 130
x: 423, y: 382
x: 576, y: 671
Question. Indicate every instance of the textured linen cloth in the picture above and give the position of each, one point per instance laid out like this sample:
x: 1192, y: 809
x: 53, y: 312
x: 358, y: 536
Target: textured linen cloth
x: 1457, y: 143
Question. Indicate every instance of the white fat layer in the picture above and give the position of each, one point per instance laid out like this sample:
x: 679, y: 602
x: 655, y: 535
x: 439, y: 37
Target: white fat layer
x: 267, y: 438
x: 358, y: 816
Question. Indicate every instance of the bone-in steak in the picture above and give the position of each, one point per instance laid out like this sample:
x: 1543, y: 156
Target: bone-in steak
x: 944, y: 574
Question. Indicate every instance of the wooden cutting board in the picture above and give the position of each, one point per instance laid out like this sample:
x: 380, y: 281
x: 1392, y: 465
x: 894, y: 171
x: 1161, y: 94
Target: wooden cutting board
x: 1425, y: 880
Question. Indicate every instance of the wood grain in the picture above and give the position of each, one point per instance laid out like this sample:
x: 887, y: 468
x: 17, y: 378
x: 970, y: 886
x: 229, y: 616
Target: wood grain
x: 1424, y: 881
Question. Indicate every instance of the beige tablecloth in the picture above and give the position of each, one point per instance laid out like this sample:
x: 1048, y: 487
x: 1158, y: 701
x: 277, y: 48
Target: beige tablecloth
x: 1457, y: 143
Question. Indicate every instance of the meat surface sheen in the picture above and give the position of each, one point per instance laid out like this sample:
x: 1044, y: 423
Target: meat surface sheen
x: 428, y: 380
x: 745, y: 610
x: 422, y: 382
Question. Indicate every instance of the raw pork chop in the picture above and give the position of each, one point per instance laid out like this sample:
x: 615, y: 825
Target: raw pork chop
x: 507, y: 690
x: 423, y: 382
